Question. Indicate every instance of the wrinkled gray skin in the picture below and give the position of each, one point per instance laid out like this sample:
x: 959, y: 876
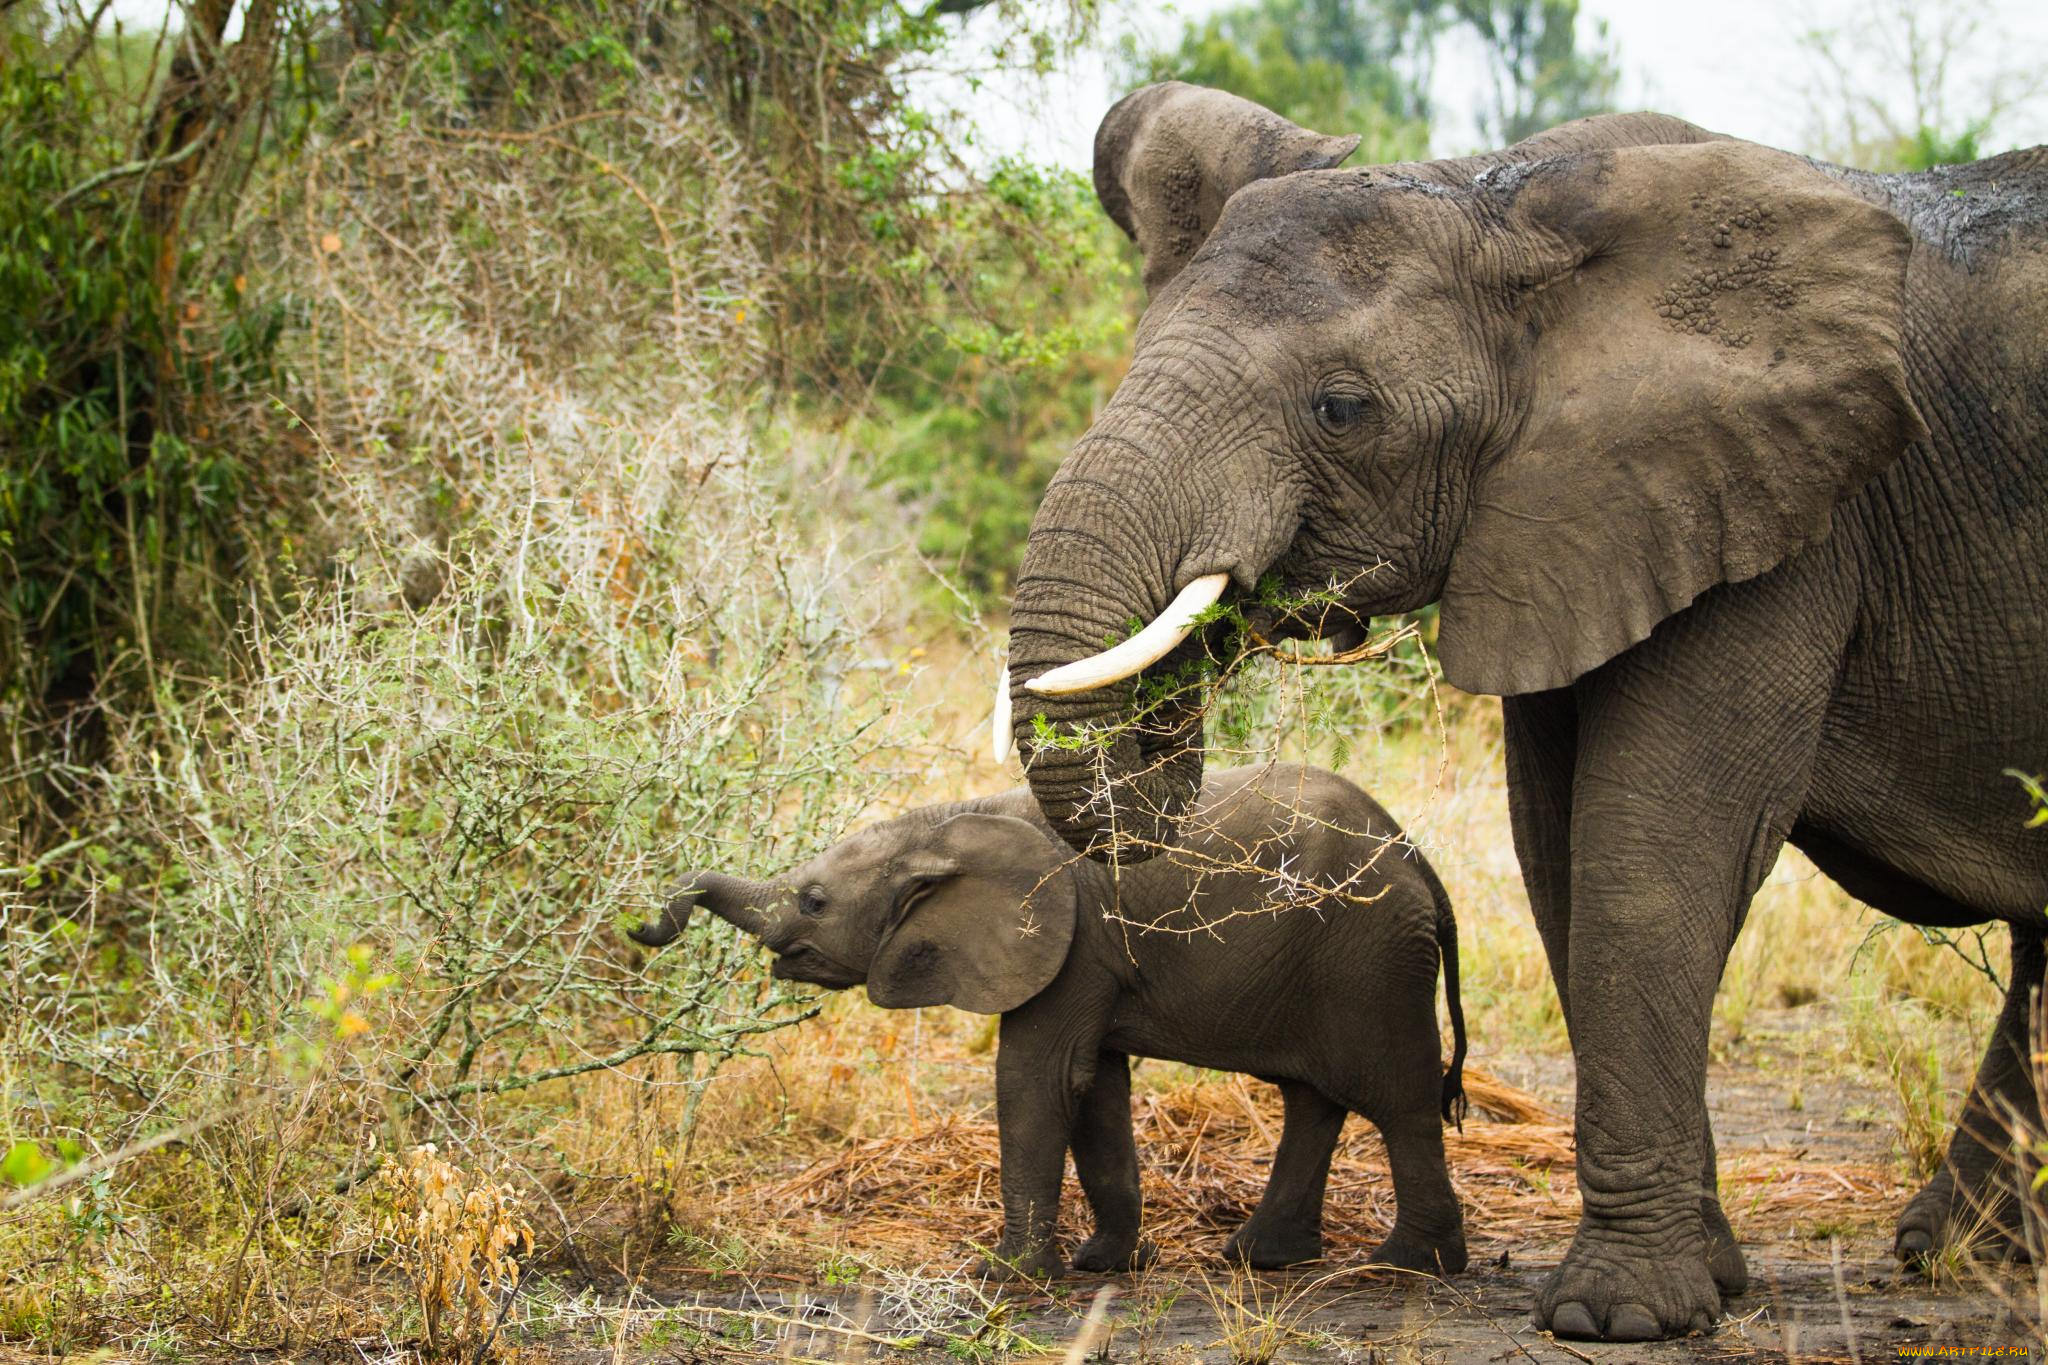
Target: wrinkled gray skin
x: 1727, y: 470
x: 978, y: 905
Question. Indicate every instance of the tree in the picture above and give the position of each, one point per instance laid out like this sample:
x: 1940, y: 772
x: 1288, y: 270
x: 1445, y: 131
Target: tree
x: 1908, y: 84
x: 1365, y: 66
x: 1542, y: 76
x: 1338, y: 66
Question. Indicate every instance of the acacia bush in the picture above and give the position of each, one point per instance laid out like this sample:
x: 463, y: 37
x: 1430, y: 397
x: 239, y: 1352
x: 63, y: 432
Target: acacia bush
x: 551, y: 631
x: 141, y: 499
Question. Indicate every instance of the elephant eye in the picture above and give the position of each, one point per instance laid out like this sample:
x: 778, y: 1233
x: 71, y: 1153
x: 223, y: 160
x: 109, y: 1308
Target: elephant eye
x: 811, y: 902
x: 1339, y: 411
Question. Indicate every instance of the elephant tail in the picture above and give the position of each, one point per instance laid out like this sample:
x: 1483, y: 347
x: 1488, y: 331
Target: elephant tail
x: 674, y: 918
x: 1447, y: 945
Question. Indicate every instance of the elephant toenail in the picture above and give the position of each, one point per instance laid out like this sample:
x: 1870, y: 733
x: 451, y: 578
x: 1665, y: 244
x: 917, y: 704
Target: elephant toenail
x: 1574, y: 1320
x: 1633, y: 1322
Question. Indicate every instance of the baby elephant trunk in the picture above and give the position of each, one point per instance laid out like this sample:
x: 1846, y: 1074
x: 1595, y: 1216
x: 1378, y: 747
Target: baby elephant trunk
x: 736, y: 900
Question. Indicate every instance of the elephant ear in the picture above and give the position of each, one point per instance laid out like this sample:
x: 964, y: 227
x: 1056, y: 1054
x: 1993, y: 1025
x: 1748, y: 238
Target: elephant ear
x: 1715, y: 365
x: 993, y: 927
x: 1167, y: 157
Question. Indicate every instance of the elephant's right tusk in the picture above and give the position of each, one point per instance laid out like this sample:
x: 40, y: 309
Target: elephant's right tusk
x: 999, y: 725
x: 1142, y: 650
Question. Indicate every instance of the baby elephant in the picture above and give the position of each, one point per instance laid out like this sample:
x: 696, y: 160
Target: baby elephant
x: 1292, y: 935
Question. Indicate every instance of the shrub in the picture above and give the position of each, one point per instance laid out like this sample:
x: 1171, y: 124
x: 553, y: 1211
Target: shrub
x: 550, y: 634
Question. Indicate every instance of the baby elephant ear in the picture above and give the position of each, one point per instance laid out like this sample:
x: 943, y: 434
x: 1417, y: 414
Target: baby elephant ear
x: 1169, y: 156
x: 994, y: 927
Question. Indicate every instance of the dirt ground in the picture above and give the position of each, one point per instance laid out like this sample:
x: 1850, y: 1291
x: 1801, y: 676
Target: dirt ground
x: 1808, y: 1169
x: 1797, y: 1310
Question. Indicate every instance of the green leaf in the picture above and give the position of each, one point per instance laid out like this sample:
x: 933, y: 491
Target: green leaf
x: 25, y: 1165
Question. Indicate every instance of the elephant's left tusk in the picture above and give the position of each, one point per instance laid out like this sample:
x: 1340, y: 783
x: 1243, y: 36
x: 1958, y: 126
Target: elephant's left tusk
x: 1142, y: 650
x: 999, y: 726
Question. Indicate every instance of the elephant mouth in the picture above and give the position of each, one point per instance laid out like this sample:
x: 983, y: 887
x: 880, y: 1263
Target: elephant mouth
x: 1158, y: 639
x: 1304, y: 618
x: 1280, y: 611
x: 806, y: 964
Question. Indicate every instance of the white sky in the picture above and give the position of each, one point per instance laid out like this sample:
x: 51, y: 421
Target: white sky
x: 1732, y: 66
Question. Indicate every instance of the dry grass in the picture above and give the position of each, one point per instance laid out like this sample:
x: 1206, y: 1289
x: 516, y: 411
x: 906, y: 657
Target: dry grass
x: 926, y: 1192
x: 863, y: 1141
x: 870, y: 1133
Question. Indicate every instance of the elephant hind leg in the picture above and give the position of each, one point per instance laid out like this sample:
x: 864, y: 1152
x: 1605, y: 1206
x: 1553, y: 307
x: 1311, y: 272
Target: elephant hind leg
x: 1287, y: 1227
x: 1429, y: 1227
x: 1973, y: 1198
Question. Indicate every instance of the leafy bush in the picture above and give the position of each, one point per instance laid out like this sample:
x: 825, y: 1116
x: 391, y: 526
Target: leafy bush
x: 552, y: 632
x: 114, y: 382
x: 968, y: 426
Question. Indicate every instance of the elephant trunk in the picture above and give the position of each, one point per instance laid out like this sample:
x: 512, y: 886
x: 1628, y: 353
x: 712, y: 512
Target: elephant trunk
x: 738, y: 901
x: 1112, y: 739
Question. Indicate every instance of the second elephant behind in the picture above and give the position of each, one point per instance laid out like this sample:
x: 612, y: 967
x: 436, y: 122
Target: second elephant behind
x: 1294, y: 935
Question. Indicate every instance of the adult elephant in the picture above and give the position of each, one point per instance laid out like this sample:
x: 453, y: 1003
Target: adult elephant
x: 1726, y: 468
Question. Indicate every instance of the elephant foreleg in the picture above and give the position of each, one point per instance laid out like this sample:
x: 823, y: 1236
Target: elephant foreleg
x: 1037, y: 1090
x: 1682, y: 793
x: 1542, y: 759
x: 1973, y: 1197
x: 1106, y: 1159
x: 1724, y: 1254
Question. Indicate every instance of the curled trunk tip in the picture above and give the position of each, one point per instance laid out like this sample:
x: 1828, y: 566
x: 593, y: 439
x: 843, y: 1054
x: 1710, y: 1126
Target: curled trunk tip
x: 668, y: 926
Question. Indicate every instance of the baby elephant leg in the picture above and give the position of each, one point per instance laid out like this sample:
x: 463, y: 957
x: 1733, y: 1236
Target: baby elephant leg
x: 1106, y: 1159
x: 1429, y: 1227
x: 1287, y: 1227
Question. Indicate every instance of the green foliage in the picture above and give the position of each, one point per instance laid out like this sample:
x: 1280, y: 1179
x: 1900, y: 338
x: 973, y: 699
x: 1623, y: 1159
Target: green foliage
x: 1260, y: 701
x: 110, y: 386
x: 1362, y: 66
x: 1337, y: 66
x: 1931, y: 147
x: 969, y: 425
x: 25, y: 1165
x: 539, y: 622
x: 1545, y: 72
x: 2037, y: 796
x: 961, y: 323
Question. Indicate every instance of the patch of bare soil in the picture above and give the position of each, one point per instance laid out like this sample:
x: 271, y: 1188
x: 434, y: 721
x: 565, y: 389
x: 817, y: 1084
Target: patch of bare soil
x: 1808, y: 1170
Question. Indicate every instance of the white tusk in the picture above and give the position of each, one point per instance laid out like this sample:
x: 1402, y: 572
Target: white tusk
x: 1142, y: 650
x: 999, y: 726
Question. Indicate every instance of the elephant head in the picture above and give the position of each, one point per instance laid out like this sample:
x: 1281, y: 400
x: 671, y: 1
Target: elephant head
x: 1563, y: 389
x: 972, y: 910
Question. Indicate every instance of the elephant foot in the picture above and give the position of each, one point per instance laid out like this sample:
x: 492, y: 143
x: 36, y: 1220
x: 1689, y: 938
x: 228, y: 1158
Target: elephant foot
x: 1273, y: 1248
x: 1615, y: 1289
x: 1983, y: 1221
x: 1724, y: 1255
x: 1403, y: 1252
x: 1103, y: 1254
x: 1043, y: 1262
